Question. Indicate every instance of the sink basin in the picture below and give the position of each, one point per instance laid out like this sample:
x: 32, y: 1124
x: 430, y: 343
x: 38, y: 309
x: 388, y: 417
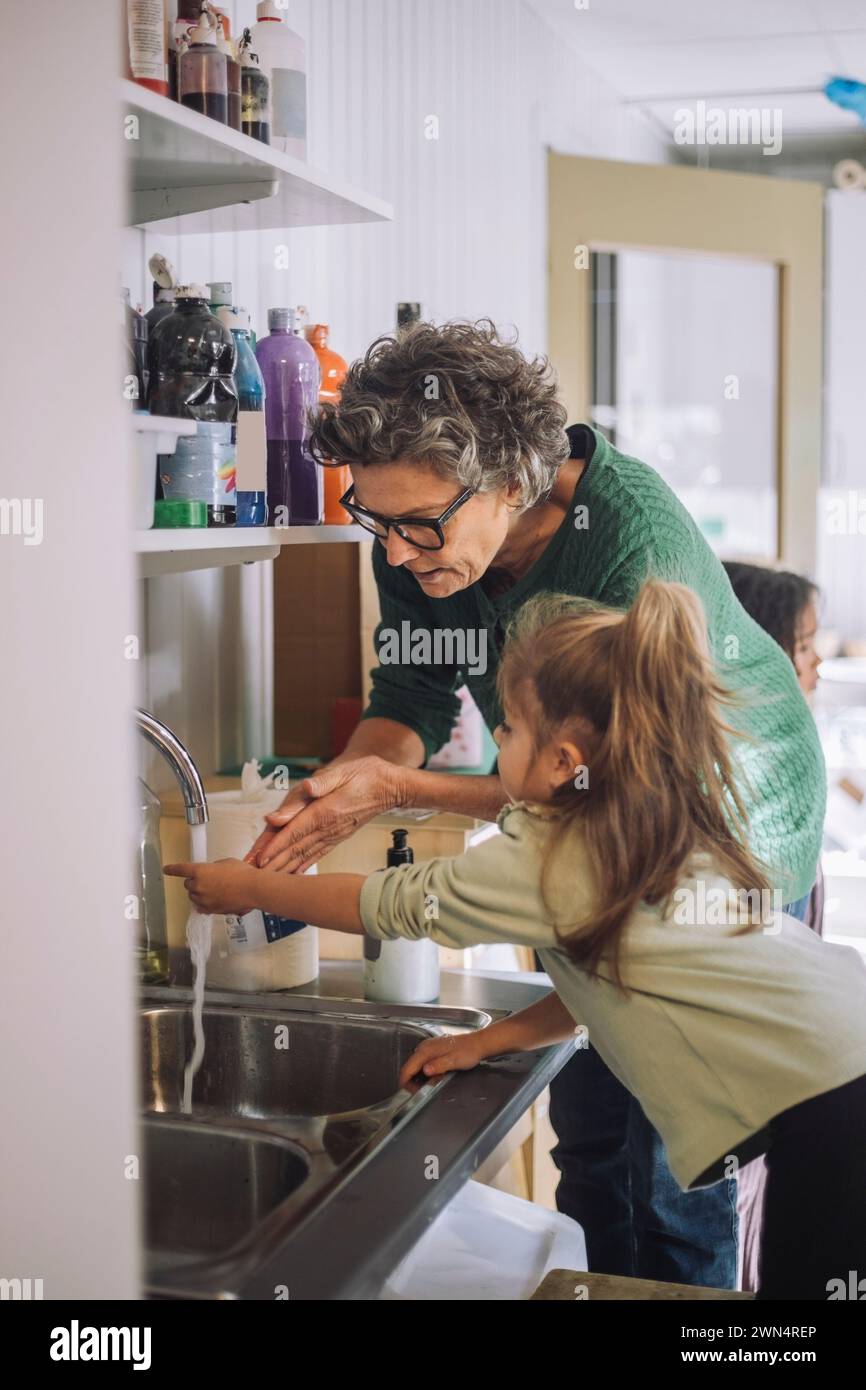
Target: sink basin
x: 293, y: 1095
x: 208, y: 1187
x: 270, y: 1064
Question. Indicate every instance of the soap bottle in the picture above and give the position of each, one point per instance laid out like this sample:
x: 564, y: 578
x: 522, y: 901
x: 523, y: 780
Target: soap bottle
x: 401, y: 972
x: 338, y: 477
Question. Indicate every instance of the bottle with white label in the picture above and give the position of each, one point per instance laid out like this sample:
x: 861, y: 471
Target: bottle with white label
x: 283, y: 56
x: 252, y: 446
x: 401, y: 972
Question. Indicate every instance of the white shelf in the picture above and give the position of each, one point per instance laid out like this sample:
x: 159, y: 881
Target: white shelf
x: 185, y: 166
x: 177, y: 552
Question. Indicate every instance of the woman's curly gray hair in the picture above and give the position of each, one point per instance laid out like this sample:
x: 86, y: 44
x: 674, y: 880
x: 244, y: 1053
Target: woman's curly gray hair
x: 458, y: 398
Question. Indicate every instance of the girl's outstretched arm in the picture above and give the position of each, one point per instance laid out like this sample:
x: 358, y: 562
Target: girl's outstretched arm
x: 230, y: 886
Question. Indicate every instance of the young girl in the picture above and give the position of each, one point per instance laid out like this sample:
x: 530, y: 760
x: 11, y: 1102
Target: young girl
x: 623, y: 862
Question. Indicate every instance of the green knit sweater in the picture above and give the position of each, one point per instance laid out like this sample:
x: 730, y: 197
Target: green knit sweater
x: 632, y: 528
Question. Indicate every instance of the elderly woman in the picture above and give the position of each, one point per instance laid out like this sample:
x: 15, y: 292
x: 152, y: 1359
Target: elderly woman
x: 480, y: 498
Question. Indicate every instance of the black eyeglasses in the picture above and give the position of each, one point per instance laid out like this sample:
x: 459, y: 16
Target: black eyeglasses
x: 424, y: 532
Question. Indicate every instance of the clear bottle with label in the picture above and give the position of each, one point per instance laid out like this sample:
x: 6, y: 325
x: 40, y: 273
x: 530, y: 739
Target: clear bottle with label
x: 255, y: 93
x: 283, y: 56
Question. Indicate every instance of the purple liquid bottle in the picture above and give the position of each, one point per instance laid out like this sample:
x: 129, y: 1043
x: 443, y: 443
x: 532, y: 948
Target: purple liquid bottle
x: 291, y: 372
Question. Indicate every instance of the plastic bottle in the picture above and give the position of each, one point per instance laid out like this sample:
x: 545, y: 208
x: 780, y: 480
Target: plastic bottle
x: 220, y: 295
x: 333, y: 369
x: 136, y: 371
x: 188, y: 15
x: 291, y: 372
x: 147, y: 44
x: 233, y: 74
x: 191, y: 359
x: 252, y: 455
x: 401, y: 972
x: 164, y: 290
x: 202, y: 78
x: 255, y: 93
x: 283, y: 56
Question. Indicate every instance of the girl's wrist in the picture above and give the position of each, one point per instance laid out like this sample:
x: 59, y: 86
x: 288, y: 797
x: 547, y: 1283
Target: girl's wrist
x: 495, y: 1039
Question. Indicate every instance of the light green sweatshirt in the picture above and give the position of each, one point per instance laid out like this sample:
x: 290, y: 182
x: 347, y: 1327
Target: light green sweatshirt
x: 722, y: 1029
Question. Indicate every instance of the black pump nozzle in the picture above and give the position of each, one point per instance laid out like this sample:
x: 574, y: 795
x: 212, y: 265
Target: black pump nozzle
x: 400, y: 852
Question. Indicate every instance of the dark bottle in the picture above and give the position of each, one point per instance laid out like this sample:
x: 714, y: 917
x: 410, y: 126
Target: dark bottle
x: 233, y: 79
x: 255, y: 94
x: 192, y: 361
x: 202, y: 79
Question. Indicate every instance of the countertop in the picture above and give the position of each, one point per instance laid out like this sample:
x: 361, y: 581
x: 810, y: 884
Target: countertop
x: 347, y: 1249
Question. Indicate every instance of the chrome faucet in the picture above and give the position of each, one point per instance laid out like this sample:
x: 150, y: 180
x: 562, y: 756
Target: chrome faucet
x: 180, y: 763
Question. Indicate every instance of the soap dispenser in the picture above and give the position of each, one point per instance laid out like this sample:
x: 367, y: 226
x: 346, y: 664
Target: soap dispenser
x: 401, y: 972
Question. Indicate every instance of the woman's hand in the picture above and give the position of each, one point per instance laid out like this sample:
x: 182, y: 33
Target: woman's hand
x: 228, y: 886
x: 326, y: 809
x: 438, y: 1056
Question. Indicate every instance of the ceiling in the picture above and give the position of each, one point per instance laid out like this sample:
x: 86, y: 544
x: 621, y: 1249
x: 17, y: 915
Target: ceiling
x: 765, y: 53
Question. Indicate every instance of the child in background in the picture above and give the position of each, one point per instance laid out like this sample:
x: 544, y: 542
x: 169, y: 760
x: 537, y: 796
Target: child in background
x: 786, y: 606
x: 624, y: 862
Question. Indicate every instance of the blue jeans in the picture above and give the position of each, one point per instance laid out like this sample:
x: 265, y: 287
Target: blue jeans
x: 615, y: 1181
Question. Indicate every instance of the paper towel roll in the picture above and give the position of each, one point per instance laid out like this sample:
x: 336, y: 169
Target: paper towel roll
x: 236, y: 821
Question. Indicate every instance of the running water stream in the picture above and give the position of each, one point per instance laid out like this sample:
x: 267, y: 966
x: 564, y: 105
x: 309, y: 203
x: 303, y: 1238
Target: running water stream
x: 198, y: 936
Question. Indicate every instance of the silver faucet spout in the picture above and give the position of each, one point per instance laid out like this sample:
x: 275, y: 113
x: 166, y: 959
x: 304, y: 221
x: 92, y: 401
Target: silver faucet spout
x: 180, y: 762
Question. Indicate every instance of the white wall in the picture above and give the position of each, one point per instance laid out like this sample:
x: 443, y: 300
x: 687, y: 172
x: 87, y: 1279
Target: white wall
x: 842, y: 556
x: 67, y: 1211
x: 469, y: 237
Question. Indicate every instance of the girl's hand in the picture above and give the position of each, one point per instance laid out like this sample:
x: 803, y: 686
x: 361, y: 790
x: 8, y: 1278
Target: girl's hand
x: 438, y: 1056
x: 228, y: 886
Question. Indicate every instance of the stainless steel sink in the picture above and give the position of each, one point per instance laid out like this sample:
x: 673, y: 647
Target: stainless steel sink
x: 269, y: 1064
x: 293, y: 1095
x: 209, y: 1187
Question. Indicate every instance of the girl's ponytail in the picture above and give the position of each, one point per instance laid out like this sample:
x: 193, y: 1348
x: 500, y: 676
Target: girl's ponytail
x: 666, y: 725
x: 639, y: 694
